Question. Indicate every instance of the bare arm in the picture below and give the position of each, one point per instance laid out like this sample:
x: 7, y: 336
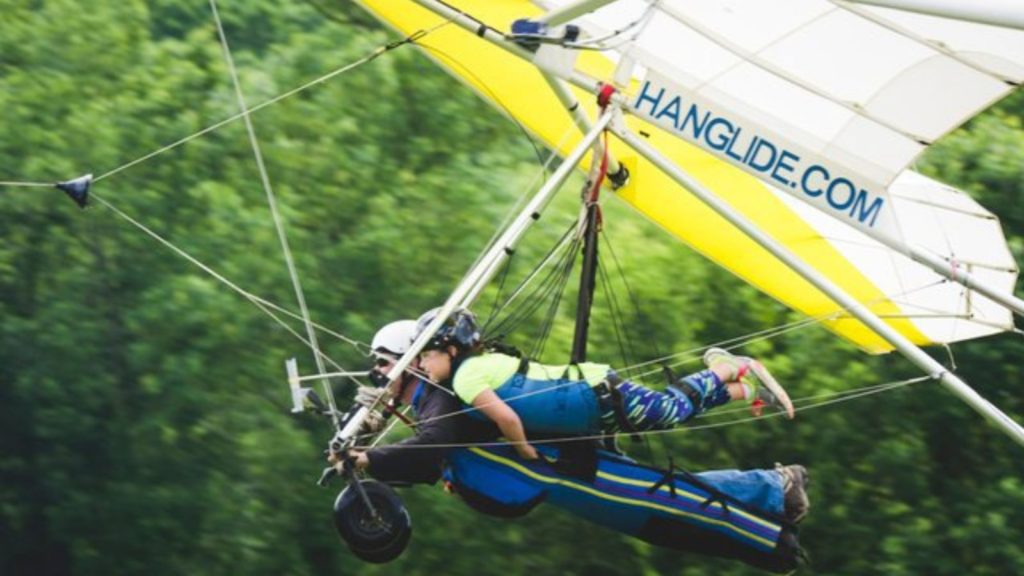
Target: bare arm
x: 507, y: 420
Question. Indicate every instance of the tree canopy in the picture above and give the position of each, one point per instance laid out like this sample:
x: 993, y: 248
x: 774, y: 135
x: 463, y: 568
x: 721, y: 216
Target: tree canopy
x: 144, y: 418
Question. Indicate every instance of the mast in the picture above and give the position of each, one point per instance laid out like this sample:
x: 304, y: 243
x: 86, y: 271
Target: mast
x: 488, y: 264
x: 588, y: 275
x: 603, y: 165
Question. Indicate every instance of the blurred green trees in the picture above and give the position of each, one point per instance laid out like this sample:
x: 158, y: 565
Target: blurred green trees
x: 143, y: 410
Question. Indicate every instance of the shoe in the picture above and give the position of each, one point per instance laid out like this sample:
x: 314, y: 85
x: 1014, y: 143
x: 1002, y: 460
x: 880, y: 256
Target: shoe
x: 765, y: 390
x: 795, y: 480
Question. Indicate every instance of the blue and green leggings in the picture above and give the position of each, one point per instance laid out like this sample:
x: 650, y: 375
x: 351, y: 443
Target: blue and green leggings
x: 646, y: 409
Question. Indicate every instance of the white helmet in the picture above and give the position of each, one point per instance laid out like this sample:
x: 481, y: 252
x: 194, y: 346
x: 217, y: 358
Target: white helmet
x: 394, y: 338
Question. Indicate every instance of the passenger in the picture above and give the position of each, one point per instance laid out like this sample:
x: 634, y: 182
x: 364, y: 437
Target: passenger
x: 581, y: 399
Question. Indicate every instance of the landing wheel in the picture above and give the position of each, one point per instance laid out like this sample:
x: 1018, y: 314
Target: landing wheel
x: 377, y: 536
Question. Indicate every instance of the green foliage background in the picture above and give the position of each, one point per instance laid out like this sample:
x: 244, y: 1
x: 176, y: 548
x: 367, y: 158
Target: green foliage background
x: 143, y: 409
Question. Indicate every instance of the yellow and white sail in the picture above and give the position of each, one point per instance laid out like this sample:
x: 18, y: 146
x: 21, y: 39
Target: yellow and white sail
x: 801, y: 115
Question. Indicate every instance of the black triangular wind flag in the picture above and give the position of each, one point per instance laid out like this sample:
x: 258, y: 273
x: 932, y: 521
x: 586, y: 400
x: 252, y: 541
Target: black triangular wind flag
x: 77, y: 189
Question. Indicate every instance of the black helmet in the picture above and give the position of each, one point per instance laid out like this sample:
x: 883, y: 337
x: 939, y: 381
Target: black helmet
x: 459, y: 330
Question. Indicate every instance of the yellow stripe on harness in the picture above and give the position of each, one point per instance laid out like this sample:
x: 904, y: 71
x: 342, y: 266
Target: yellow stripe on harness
x: 621, y: 499
x: 688, y: 495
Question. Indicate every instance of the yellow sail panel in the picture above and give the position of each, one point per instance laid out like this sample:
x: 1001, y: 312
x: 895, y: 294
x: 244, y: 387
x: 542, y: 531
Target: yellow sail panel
x: 519, y: 89
x: 658, y: 197
x: 511, y: 83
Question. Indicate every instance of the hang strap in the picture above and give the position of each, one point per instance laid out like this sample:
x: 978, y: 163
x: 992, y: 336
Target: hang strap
x: 524, y: 366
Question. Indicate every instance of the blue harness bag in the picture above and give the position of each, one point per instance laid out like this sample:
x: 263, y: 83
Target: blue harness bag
x: 664, y: 508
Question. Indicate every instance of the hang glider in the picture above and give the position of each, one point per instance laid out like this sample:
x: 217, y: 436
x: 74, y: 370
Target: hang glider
x: 830, y: 130
x: 772, y: 141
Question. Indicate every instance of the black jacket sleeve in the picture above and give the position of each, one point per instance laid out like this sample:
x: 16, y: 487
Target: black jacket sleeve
x: 412, y: 460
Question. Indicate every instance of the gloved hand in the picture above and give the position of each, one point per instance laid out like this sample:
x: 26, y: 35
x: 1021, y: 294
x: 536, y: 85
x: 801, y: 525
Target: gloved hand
x: 368, y: 396
x: 373, y: 423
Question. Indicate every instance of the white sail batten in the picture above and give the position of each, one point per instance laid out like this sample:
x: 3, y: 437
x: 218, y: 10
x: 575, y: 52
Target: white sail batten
x: 998, y: 12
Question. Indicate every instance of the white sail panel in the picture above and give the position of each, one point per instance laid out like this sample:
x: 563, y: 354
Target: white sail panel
x: 883, y: 93
x: 994, y: 49
x: 942, y: 221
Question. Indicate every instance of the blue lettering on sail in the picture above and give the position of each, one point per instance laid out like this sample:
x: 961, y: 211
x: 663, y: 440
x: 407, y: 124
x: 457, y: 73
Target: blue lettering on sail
x: 691, y: 119
x: 729, y: 139
x: 645, y: 97
x: 718, y: 139
x: 671, y: 110
x: 861, y: 211
x: 782, y: 168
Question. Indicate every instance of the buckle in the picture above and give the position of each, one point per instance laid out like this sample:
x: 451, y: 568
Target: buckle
x: 695, y: 398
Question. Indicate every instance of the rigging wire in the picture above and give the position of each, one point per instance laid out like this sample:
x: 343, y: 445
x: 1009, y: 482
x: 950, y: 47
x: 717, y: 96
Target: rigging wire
x: 508, y: 113
x: 497, y: 293
x: 412, y: 38
x: 695, y: 354
x: 508, y: 218
x: 264, y: 305
x: 736, y: 342
x: 597, y: 44
x: 391, y: 425
x: 275, y: 214
x: 560, y: 283
x: 835, y: 398
x: 505, y: 326
x: 629, y: 291
x: 632, y: 297
x: 540, y: 290
x: 521, y: 200
x: 27, y: 184
x: 558, y: 250
x: 259, y: 302
x: 256, y: 300
x: 732, y: 343
x: 617, y: 325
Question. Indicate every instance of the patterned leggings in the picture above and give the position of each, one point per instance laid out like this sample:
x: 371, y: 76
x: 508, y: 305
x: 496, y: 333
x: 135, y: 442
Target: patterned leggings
x: 646, y: 409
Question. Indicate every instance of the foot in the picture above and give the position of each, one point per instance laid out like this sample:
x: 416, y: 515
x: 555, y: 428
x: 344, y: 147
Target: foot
x: 794, y: 490
x: 764, y: 390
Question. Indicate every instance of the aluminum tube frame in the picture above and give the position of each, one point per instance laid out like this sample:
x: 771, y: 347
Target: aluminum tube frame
x: 1005, y: 13
x: 904, y: 346
x: 555, y: 181
x: 466, y: 22
x: 565, y: 14
x: 346, y: 374
x: 591, y: 84
x: 488, y: 265
x: 572, y: 105
x: 946, y: 268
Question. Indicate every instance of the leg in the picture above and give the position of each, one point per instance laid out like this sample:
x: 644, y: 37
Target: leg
x: 646, y: 409
x: 762, y: 489
x: 780, y: 491
x: 706, y: 389
x: 758, y: 385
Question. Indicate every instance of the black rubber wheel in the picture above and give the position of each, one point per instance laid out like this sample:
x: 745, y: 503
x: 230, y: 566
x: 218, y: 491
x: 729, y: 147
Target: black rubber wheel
x: 380, y: 538
x: 388, y: 553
